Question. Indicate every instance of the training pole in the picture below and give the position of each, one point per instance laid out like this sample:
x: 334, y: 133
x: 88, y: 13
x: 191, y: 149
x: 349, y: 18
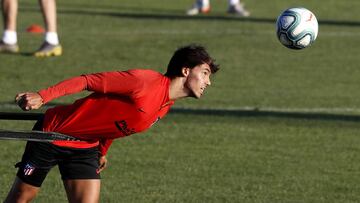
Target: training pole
x: 20, y: 116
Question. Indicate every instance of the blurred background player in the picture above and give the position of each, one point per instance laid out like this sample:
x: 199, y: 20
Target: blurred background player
x: 50, y: 46
x: 203, y: 6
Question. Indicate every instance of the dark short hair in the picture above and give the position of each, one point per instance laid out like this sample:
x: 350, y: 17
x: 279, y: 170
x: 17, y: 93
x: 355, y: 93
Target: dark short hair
x: 189, y: 56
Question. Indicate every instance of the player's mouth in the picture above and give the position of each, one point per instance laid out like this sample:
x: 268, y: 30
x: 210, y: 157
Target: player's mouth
x: 202, y: 90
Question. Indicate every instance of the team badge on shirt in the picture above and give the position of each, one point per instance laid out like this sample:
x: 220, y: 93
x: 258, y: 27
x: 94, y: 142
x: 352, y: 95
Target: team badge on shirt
x: 29, y: 169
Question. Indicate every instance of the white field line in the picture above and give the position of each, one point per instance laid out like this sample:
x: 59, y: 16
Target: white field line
x: 335, y: 110
x: 299, y: 110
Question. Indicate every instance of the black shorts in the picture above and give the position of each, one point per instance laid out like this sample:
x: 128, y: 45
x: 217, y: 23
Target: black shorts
x: 73, y: 163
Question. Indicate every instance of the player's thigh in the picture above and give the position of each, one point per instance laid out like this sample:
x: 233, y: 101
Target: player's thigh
x: 21, y: 192
x: 79, y: 164
x: 83, y: 190
x: 36, y: 162
x: 79, y: 171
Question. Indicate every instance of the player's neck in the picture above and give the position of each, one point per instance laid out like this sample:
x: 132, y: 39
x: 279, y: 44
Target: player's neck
x: 177, y: 89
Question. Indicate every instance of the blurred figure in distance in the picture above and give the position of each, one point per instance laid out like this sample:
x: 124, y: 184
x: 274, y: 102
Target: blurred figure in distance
x: 203, y: 6
x: 8, y: 42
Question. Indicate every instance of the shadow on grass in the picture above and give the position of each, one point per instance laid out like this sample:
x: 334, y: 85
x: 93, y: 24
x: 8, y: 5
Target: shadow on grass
x: 27, y: 54
x: 211, y: 112
x: 177, y: 15
x: 19, y: 54
x: 268, y: 114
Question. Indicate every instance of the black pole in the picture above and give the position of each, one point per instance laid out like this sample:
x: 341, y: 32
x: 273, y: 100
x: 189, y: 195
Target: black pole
x: 20, y: 116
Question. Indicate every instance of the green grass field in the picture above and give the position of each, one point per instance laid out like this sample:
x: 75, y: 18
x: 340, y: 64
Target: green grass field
x: 277, y: 125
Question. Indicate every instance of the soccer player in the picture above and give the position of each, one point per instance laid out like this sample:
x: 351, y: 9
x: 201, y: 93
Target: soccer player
x: 50, y: 46
x: 203, y: 6
x: 121, y: 103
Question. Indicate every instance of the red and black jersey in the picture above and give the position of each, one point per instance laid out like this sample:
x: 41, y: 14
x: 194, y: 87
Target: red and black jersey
x: 122, y: 103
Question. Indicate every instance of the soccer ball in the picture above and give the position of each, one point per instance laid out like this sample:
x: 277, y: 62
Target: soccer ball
x: 297, y: 28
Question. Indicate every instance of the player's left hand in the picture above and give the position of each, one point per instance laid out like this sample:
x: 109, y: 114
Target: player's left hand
x: 102, y: 163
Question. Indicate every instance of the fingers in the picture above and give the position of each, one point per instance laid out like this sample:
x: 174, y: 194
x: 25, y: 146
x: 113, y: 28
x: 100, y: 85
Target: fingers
x: 18, y: 97
x: 101, y: 168
x: 21, y: 101
x: 102, y: 164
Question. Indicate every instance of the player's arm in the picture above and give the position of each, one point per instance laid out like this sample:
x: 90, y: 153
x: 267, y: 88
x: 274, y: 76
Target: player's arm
x: 34, y: 100
x: 117, y: 82
x: 65, y: 87
x: 103, y: 148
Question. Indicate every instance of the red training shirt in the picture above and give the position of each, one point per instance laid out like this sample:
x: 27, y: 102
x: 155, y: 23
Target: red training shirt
x: 122, y: 103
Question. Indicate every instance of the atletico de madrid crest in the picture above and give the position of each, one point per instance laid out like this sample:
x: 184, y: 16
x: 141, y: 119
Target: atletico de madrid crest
x: 29, y: 169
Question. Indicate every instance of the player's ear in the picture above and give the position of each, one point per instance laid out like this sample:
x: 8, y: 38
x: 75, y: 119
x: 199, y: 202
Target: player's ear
x: 185, y: 71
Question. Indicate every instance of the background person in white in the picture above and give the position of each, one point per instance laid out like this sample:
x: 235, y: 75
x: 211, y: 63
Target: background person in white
x: 50, y: 46
x: 203, y: 6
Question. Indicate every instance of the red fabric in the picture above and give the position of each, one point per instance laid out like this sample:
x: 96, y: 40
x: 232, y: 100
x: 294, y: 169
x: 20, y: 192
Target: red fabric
x: 122, y: 103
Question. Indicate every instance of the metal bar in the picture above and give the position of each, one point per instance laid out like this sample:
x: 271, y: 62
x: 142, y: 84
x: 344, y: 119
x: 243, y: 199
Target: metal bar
x: 38, y: 136
x: 20, y: 116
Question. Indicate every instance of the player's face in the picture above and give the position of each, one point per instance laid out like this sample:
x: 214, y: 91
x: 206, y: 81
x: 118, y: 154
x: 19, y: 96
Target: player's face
x: 198, y: 78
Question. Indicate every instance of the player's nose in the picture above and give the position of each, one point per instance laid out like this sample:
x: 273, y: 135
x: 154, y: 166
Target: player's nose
x: 208, y: 83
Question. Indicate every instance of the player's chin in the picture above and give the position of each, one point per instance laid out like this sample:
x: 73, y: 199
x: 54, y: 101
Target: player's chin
x: 195, y: 95
x: 198, y: 95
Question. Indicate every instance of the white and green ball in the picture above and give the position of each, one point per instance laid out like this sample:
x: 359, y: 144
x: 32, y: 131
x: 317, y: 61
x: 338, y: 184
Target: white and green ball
x: 297, y: 28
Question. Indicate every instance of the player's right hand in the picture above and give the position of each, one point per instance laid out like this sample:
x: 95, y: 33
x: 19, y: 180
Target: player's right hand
x: 28, y: 100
